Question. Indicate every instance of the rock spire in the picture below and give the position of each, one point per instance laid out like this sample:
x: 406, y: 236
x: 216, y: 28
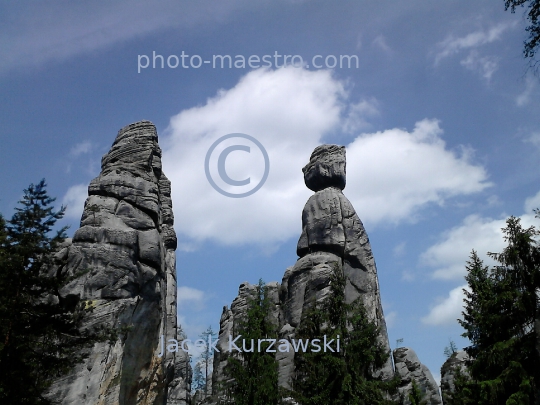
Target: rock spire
x: 332, y: 233
x: 126, y: 249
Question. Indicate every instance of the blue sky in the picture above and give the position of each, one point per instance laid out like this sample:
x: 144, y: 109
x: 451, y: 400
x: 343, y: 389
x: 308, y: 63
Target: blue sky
x: 440, y: 119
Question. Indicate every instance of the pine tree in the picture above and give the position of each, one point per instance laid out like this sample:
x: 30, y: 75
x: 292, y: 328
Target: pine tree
x: 203, y: 367
x: 39, y: 333
x: 501, y: 321
x: 450, y: 349
x: 416, y: 397
x: 253, y: 376
x: 347, y: 376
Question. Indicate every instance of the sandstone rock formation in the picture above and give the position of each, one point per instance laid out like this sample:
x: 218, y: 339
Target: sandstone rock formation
x: 126, y: 246
x: 448, y: 373
x: 409, y: 368
x: 332, y: 233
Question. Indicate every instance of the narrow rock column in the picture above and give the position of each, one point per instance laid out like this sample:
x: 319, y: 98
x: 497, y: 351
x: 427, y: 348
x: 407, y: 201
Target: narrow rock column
x: 409, y: 368
x: 332, y: 233
x: 457, y: 361
x: 125, y: 249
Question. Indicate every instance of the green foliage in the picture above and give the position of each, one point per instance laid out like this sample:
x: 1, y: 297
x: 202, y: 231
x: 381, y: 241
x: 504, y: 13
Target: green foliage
x: 198, y: 381
x: 533, y: 15
x: 450, y: 349
x: 346, y: 377
x: 416, y: 397
x: 253, y: 376
x: 203, y: 366
x: 499, y: 320
x: 40, y: 338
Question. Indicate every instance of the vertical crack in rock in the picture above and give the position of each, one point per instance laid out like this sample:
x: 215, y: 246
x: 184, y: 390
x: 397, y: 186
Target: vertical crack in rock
x: 126, y: 247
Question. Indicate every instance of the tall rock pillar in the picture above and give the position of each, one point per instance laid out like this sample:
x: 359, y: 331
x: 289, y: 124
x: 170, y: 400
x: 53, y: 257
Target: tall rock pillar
x: 125, y: 248
x: 332, y: 233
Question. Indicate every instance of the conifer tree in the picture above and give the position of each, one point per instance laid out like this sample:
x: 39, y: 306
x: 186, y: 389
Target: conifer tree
x: 416, y: 397
x: 203, y: 367
x: 347, y: 377
x: 252, y: 376
x: 40, y: 337
x: 501, y: 320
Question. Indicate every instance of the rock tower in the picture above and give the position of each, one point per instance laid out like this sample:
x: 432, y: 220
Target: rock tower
x: 126, y: 248
x: 332, y: 233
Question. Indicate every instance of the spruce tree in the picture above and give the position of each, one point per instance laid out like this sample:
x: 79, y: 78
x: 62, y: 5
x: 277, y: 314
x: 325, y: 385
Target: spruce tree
x: 40, y: 338
x: 501, y: 321
x: 252, y: 376
x: 416, y: 397
x: 348, y: 376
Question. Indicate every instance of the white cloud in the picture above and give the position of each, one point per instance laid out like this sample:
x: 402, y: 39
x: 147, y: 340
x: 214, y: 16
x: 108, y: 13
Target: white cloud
x: 407, y: 275
x: 380, y: 42
x: 288, y: 111
x: 449, y: 256
x: 531, y: 203
x: 80, y: 149
x: 391, y: 174
x: 399, y: 249
x: 484, y: 65
x: 390, y: 319
x: 74, y: 200
x: 358, y: 114
x: 448, y: 309
x: 530, y: 85
x: 534, y: 138
x: 190, y: 299
x: 452, y: 45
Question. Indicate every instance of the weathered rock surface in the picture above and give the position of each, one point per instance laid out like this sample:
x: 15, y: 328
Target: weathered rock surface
x: 126, y: 246
x: 326, y: 168
x: 409, y: 368
x: 448, y: 373
x: 332, y: 233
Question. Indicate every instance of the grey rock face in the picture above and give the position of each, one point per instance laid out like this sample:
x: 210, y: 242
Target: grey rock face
x: 409, y: 368
x: 126, y: 246
x: 326, y: 168
x: 332, y: 233
x: 448, y: 373
x: 230, y: 319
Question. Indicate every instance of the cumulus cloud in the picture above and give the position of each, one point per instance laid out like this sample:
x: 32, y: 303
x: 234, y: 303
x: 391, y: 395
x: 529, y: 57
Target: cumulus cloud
x: 288, y: 111
x: 448, y: 310
x: 391, y: 174
x: 452, y: 45
x: 449, y: 256
x: 74, y: 200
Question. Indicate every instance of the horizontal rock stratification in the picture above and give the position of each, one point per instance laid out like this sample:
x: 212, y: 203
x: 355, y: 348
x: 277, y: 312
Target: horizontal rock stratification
x: 126, y: 248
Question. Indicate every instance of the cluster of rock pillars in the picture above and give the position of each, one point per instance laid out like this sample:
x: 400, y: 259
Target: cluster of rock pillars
x: 126, y: 244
